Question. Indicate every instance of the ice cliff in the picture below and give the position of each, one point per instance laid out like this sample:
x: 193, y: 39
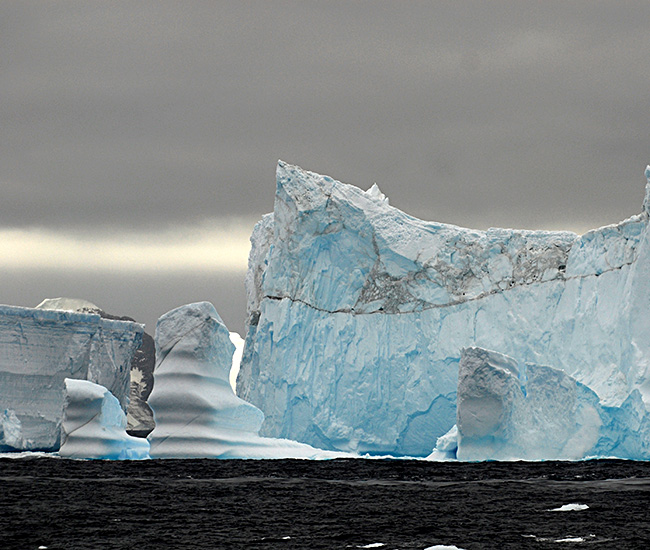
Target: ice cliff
x: 197, y: 413
x: 94, y: 425
x: 39, y: 349
x: 357, y: 313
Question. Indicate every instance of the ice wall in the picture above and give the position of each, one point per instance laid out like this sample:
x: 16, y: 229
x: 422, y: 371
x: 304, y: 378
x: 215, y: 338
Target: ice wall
x: 357, y: 313
x: 513, y: 411
x: 94, y: 425
x: 40, y: 348
x: 196, y: 411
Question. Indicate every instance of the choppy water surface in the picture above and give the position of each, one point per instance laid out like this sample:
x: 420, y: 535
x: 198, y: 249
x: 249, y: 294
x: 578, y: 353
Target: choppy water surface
x: 289, y: 504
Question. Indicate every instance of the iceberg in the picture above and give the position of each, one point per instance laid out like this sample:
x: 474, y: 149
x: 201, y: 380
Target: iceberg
x: 40, y: 348
x: 94, y: 425
x: 139, y: 415
x: 358, y: 312
x: 196, y: 411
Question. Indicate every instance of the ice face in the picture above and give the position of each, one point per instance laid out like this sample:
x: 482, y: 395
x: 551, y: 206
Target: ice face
x: 357, y: 313
x: 197, y: 413
x: 511, y: 411
x: 94, y: 425
x: 40, y: 348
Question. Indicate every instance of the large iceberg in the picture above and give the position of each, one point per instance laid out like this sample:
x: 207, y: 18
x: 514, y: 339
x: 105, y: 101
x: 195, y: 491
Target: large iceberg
x: 94, y: 425
x: 357, y: 313
x: 197, y: 413
x: 39, y: 349
x: 513, y: 411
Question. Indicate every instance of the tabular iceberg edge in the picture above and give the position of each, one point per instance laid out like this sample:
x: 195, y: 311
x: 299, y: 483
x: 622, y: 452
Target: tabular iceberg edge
x: 358, y: 312
x: 39, y: 349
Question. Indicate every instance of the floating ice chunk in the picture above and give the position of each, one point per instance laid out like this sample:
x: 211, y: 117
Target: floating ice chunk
x: 197, y: 413
x: 94, y: 425
x: 446, y: 446
x: 570, y: 508
x: 442, y: 547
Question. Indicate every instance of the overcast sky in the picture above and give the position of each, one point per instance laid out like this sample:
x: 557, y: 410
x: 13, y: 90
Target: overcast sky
x: 138, y: 140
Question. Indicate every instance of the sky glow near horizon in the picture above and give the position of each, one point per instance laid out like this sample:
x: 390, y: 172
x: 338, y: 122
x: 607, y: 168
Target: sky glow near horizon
x: 209, y: 247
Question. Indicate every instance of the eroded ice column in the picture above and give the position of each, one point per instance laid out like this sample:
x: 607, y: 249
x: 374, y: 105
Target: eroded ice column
x: 197, y: 413
x: 94, y: 425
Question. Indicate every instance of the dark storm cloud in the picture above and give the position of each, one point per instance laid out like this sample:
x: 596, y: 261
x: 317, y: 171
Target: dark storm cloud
x: 519, y: 113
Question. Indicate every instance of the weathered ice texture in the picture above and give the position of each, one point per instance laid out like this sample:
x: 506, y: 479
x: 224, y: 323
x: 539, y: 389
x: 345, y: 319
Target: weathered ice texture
x: 512, y: 411
x: 357, y: 313
x: 196, y: 410
x: 40, y: 348
x: 94, y: 425
x: 139, y: 415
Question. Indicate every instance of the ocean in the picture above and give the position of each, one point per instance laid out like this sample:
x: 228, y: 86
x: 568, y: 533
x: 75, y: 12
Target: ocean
x: 52, y: 503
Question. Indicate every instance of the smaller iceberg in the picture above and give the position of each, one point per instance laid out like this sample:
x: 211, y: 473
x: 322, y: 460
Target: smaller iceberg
x: 512, y: 411
x: 196, y: 411
x: 94, y: 425
x: 11, y: 431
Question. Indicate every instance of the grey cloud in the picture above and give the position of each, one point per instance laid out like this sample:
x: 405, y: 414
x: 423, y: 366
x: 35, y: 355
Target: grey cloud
x: 151, y: 114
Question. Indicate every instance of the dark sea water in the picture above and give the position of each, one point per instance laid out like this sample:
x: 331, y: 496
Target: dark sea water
x: 289, y: 504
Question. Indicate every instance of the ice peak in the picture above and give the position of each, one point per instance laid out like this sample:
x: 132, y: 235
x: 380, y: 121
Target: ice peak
x: 375, y: 193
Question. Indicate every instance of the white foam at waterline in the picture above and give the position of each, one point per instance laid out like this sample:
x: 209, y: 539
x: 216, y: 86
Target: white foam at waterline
x: 442, y: 547
x: 373, y: 545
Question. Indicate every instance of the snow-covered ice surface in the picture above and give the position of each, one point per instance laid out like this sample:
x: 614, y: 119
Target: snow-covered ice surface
x: 196, y: 411
x: 39, y: 348
x: 357, y: 313
x: 94, y: 425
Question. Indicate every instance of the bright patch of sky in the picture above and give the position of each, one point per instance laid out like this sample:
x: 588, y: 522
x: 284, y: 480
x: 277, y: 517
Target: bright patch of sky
x: 214, y: 246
